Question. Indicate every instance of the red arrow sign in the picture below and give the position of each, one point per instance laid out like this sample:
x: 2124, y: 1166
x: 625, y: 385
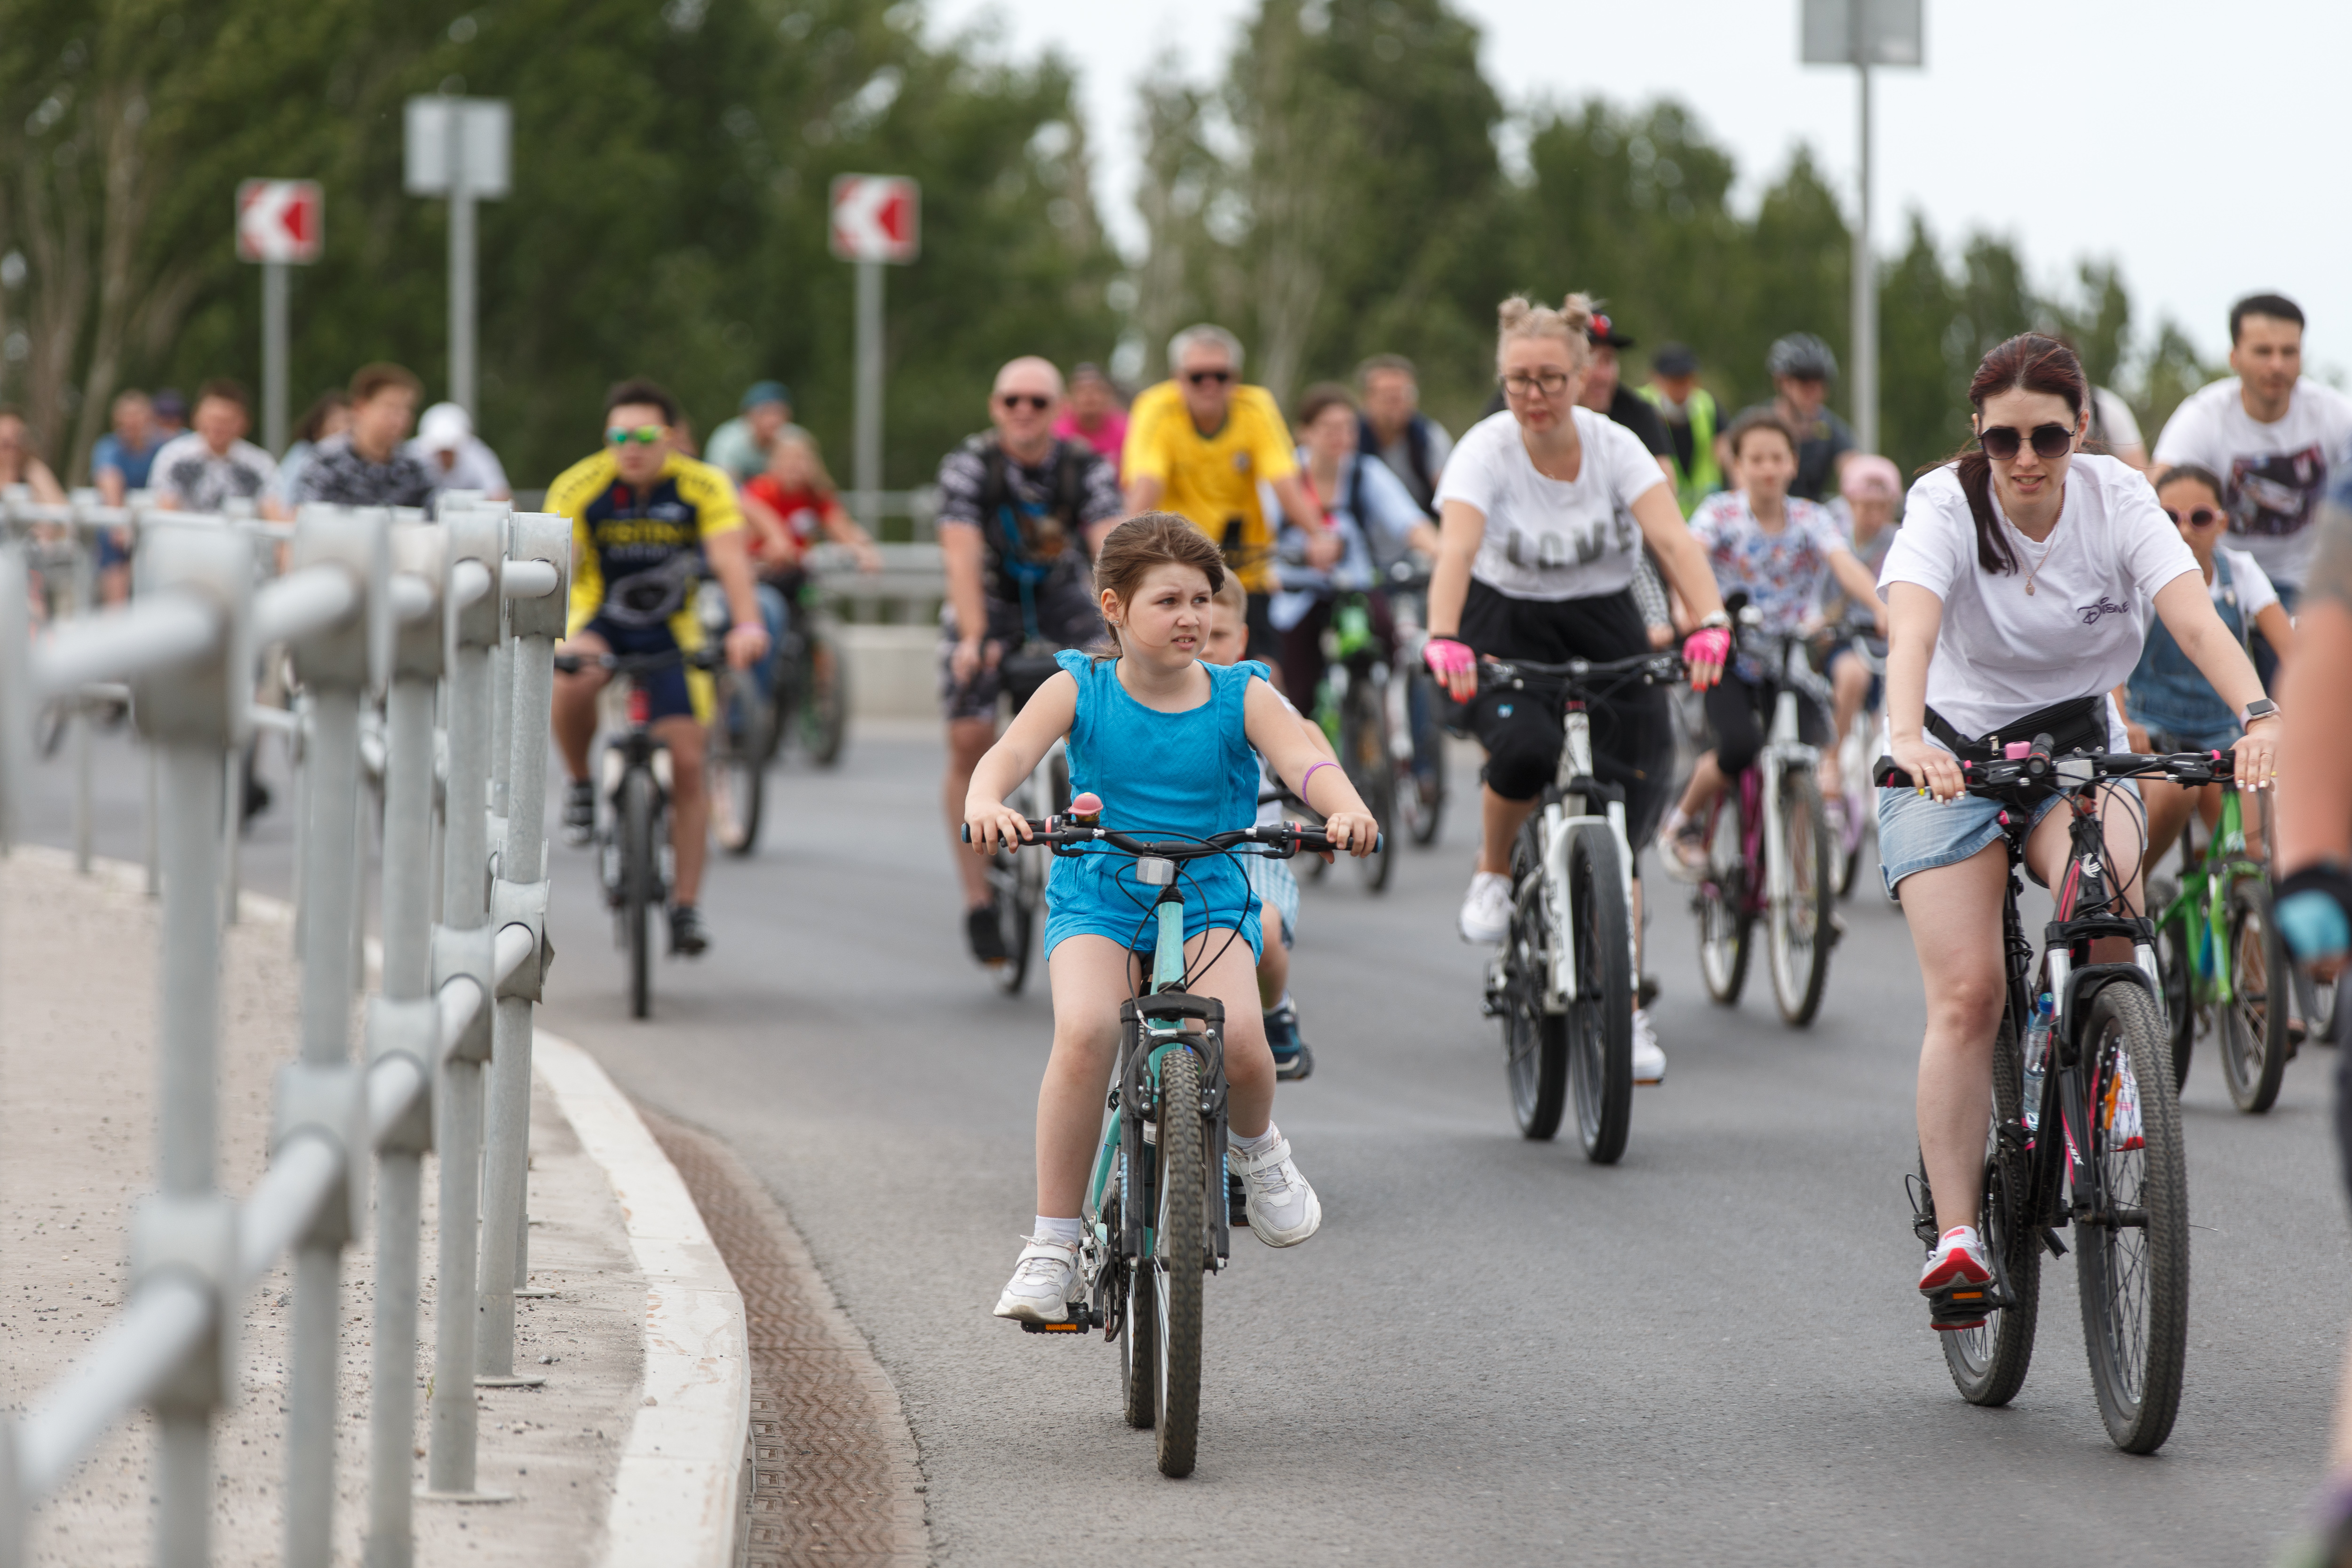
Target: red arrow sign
x: 281, y: 220
x: 876, y: 217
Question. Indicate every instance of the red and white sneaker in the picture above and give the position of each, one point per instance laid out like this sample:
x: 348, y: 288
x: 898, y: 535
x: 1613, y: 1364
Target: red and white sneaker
x: 1957, y: 1280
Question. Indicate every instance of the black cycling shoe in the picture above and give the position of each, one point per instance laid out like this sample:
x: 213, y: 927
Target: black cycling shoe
x: 987, y: 938
x: 686, y: 937
x: 579, y: 814
x: 1292, y: 1060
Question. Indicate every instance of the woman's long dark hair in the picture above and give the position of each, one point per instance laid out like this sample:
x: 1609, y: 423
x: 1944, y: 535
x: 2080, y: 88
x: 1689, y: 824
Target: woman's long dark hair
x: 2026, y: 363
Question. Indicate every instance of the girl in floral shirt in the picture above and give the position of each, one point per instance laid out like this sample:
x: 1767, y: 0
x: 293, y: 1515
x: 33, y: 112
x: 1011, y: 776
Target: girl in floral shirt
x: 1777, y: 549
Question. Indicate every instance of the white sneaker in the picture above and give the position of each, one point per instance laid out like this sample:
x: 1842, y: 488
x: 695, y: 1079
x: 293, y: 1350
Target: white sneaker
x: 1649, y: 1059
x: 1486, y: 910
x: 1283, y: 1209
x: 1039, y: 1292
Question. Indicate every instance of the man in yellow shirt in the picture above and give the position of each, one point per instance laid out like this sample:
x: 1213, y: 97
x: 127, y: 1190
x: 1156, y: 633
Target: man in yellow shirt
x: 1200, y: 443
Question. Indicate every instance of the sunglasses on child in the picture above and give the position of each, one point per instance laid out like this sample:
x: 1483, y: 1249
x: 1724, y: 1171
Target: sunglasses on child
x: 2001, y: 442
x: 1023, y: 400
x: 2195, y: 517
x: 643, y: 435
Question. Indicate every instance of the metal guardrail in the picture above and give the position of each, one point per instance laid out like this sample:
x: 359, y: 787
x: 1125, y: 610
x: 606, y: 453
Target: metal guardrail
x: 372, y: 605
x: 909, y: 589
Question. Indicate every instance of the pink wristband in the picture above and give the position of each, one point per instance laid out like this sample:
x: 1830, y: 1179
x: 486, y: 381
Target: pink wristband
x: 1309, y: 778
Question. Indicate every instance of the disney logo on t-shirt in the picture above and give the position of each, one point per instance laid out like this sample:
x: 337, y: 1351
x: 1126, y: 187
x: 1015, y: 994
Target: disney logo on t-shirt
x: 2091, y: 612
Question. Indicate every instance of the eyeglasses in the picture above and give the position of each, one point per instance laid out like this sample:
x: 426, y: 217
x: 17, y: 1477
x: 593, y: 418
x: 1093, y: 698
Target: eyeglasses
x: 2195, y: 517
x: 1024, y: 400
x: 644, y: 435
x: 2001, y: 442
x: 1208, y: 377
x: 1550, y: 383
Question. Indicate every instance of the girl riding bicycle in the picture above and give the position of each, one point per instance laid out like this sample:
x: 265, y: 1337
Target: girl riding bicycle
x: 1777, y: 548
x: 2015, y: 589
x: 1170, y: 744
x: 1544, y: 509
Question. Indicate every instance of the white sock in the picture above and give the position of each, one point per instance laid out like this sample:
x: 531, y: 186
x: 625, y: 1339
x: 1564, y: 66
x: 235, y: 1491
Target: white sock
x: 1278, y: 1004
x: 1251, y: 1148
x: 1065, y: 1232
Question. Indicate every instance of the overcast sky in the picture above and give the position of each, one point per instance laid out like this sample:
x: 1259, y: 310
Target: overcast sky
x: 2190, y: 141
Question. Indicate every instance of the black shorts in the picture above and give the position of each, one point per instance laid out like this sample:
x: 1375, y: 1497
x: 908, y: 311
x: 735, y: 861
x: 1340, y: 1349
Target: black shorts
x: 1632, y: 730
x: 668, y: 691
x: 1265, y: 643
x: 1736, y: 711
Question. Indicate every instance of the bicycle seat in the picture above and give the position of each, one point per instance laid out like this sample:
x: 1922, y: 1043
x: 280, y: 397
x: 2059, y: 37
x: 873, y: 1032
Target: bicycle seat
x: 1023, y: 672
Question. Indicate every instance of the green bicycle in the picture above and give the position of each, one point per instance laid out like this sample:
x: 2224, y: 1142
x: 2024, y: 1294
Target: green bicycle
x: 2223, y: 962
x: 1158, y: 1218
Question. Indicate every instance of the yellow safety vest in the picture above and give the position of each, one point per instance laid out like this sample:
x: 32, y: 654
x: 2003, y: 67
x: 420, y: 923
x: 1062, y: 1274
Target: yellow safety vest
x: 1703, y: 476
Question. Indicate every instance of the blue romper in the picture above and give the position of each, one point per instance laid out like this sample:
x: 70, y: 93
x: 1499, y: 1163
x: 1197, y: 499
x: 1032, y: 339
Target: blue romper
x: 1172, y: 774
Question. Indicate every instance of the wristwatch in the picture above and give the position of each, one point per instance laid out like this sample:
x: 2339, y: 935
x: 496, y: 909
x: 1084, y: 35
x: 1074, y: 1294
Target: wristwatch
x: 1719, y: 621
x: 2260, y: 708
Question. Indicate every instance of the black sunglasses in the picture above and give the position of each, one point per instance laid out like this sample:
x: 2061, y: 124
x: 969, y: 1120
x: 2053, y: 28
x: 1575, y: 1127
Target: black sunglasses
x: 2001, y: 442
x: 1203, y: 377
x: 1025, y: 400
x: 2195, y: 517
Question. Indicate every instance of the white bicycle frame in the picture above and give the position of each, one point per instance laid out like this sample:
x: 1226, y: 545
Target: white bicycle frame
x: 1558, y: 819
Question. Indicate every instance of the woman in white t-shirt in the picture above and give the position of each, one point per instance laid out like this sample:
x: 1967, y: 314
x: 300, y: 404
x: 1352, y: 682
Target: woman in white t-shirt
x: 2020, y: 583
x: 1543, y: 510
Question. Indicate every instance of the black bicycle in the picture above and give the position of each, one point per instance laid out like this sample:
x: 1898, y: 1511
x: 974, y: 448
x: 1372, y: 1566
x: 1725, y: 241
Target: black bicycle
x: 632, y: 848
x: 1018, y: 881
x: 2099, y: 1146
x: 1563, y: 983
x: 809, y: 700
x: 1155, y: 1225
x: 1416, y: 706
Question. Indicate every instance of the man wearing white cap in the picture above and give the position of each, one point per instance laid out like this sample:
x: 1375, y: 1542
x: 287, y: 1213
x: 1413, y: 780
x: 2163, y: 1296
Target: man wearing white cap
x: 459, y: 459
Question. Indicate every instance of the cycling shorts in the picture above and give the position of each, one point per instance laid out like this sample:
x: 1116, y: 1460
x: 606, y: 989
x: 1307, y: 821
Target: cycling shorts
x: 677, y: 692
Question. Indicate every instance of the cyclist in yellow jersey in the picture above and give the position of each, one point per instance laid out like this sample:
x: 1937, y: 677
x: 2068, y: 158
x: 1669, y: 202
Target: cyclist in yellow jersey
x: 645, y: 519
x: 1200, y: 443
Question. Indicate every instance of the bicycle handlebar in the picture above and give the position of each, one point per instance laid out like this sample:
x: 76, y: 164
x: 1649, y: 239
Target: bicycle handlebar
x: 1280, y: 841
x: 1663, y: 667
x: 709, y: 657
x: 2004, y: 776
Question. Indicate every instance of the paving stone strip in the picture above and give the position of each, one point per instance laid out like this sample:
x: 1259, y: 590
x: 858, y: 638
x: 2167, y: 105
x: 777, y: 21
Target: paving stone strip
x: 836, y: 1479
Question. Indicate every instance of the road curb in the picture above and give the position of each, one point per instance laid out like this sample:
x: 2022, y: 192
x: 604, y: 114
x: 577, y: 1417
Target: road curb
x: 677, y: 1494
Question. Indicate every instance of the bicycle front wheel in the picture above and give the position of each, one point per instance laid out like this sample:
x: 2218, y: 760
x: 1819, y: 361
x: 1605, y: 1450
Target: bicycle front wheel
x: 1364, y: 746
x: 1989, y: 1364
x: 1179, y: 1257
x: 1535, y: 1041
x: 1420, y: 784
x: 737, y: 773
x: 1801, y: 928
x: 825, y: 700
x: 1020, y: 889
x: 2254, y: 1029
x: 640, y: 884
x: 2132, y: 1248
x: 1724, y: 924
x: 1601, y: 1014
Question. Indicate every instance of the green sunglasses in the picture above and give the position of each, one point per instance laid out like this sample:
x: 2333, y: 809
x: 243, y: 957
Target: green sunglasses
x: 644, y: 435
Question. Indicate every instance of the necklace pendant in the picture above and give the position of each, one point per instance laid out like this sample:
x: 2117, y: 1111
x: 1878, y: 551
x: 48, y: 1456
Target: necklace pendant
x: 2029, y: 590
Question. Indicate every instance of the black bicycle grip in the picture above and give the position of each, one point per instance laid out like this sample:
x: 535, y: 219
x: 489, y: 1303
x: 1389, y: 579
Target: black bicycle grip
x: 2037, y: 757
x: 1888, y: 773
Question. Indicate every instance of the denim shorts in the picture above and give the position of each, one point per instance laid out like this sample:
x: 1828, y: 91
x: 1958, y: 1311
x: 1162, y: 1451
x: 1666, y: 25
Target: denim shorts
x: 1917, y: 833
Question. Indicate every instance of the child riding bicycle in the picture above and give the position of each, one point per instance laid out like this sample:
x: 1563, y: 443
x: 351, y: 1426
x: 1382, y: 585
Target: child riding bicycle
x: 1167, y: 742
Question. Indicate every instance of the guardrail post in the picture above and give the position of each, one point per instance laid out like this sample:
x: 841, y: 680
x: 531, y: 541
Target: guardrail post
x: 403, y: 1021
x: 85, y: 597
x: 323, y: 1096
x: 520, y: 897
x: 196, y: 715
x: 474, y: 545
x: 16, y: 703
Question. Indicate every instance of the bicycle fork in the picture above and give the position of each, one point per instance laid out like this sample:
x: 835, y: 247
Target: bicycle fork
x: 1559, y: 816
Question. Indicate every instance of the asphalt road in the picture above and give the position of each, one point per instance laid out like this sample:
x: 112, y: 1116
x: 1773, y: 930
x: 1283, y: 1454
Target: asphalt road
x: 1494, y: 1351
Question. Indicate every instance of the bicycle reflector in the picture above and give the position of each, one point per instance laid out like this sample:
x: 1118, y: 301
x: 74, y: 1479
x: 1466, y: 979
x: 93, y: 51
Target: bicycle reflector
x: 1154, y: 873
x: 641, y: 706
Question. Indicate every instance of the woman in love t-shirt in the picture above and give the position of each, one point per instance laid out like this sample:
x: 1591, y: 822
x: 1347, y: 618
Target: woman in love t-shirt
x: 2017, y: 582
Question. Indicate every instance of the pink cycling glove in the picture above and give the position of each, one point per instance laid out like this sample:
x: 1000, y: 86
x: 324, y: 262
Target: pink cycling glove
x: 1708, y: 645
x: 1446, y: 657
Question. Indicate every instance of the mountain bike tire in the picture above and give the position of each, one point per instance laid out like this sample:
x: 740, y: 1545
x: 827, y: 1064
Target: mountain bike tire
x: 1364, y: 750
x: 1020, y: 891
x: 2254, y: 1032
x: 640, y: 886
x: 1178, y: 1260
x: 736, y: 773
x: 825, y: 700
x: 1801, y: 930
x: 2133, y: 1280
x: 1535, y: 1042
x: 1988, y: 1364
x: 1725, y: 927
x: 1139, y: 1332
x: 1422, y: 799
x: 2172, y: 967
x: 1601, y: 1014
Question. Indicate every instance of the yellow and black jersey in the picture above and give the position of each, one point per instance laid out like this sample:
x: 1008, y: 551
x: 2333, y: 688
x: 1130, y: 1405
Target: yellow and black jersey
x: 619, y: 530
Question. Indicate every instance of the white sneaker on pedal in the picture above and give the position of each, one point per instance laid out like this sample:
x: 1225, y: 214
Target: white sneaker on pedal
x: 1283, y: 1209
x: 1486, y: 910
x: 1649, y: 1059
x: 1039, y: 1292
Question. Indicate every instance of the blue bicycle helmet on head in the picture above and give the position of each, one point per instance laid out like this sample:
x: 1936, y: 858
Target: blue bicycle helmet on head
x: 1803, y: 356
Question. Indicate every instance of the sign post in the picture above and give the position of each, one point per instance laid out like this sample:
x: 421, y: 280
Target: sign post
x: 876, y: 219
x: 1863, y: 34
x: 280, y: 222
x: 461, y: 148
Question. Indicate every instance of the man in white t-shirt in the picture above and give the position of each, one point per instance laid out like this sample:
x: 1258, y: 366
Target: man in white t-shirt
x: 212, y: 464
x: 2273, y: 434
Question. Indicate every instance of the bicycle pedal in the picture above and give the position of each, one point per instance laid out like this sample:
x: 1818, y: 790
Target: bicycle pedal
x: 1236, y: 1200
x: 1085, y: 1321
x: 1963, y: 1304
x: 2050, y: 1239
